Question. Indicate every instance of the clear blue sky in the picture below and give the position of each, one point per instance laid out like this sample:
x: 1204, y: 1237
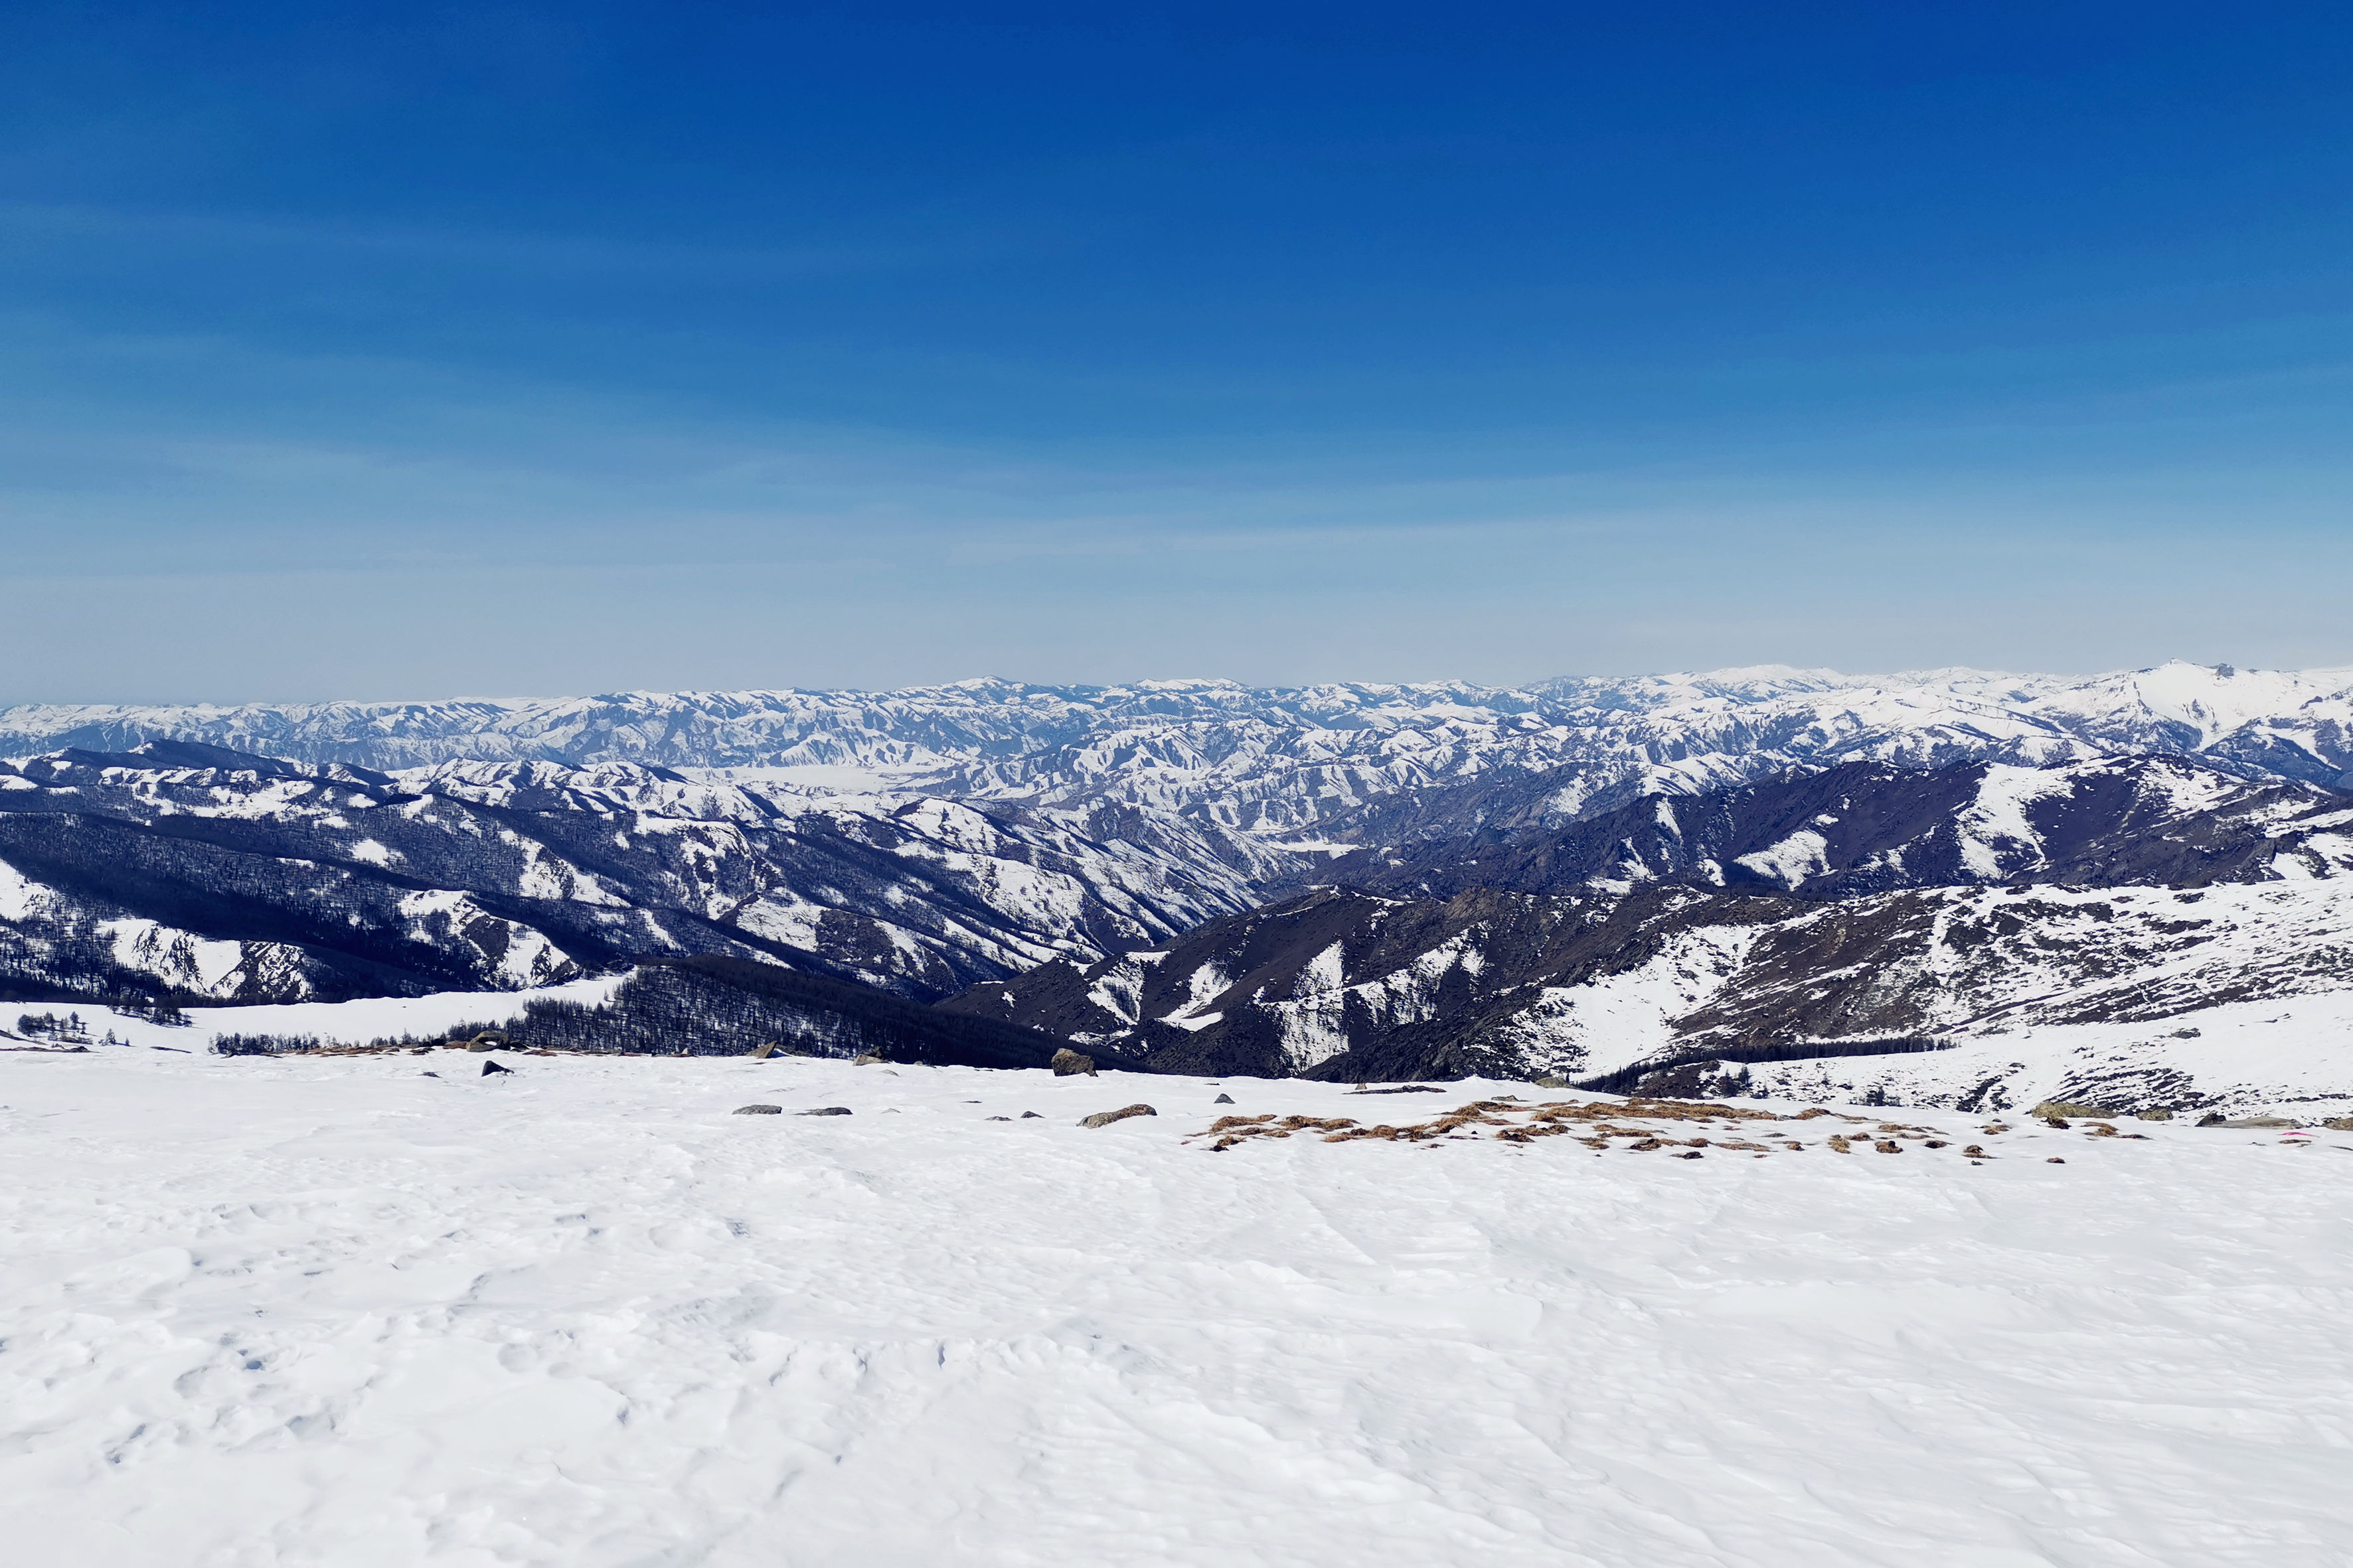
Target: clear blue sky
x: 404, y: 350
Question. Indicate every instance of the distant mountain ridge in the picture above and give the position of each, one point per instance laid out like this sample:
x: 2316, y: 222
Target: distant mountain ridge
x: 1310, y: 762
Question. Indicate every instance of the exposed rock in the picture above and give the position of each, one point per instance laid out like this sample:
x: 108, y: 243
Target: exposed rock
x: 487, y: 1040
x: 2055, y: 1160
x: 2158, y: 1114
x: 1030, y: 1116
x: 869, y: 1058
x: 829, y: 1110
x: 1551, y: 1080
x: 1105, y: 1118
x: 2058, y: 1108
x: 1069, y: 1063
x: 757, y: 1111
x: 1223, y: 1099
x: 2339, y: 1124
x: 490, y: 1068
x: 763, y: 1053
x: 1888, y: 1146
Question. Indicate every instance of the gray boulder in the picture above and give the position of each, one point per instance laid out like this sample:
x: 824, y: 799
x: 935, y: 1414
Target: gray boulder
x: 1069, y: 1063
x: 758, y: 1111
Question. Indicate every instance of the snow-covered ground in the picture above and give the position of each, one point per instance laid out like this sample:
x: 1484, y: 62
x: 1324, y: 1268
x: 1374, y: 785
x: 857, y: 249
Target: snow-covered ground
x: 354, y: 1023
x: 337, y: 1312
x: 2288, y: 1055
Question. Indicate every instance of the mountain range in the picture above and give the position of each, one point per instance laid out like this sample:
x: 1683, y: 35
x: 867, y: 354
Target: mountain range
x: 1307, y: 760
x: 1615, y: 881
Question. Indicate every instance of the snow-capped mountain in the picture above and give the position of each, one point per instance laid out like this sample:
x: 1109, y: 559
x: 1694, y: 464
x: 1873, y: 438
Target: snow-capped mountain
x: 1309, y: 761
x: 1761, y: 868
x: 230, y: 877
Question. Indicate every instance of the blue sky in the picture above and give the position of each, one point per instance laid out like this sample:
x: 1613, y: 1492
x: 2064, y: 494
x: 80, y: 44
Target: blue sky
x: 407, y: 351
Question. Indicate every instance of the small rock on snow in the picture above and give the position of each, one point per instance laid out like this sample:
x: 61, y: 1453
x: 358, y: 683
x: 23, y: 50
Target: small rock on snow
x: 1105, y: 1118
x: 758, y: 1111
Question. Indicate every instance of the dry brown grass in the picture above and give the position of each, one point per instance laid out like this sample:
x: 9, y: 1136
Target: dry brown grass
x: 1634, y: 1125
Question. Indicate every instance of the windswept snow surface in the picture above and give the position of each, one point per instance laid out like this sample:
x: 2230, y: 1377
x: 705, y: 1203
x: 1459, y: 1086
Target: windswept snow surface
x: 334, y: 1311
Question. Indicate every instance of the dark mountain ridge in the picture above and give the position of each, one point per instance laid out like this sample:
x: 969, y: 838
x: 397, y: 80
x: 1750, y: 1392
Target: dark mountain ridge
x: 1868, y: 827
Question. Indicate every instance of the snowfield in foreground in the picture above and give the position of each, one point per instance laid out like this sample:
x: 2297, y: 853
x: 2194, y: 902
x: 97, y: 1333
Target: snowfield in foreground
x: 306, y: 1311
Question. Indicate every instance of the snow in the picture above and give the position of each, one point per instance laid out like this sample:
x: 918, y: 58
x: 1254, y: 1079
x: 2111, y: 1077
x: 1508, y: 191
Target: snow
x: 180, y: 956
x: 20, y: 896
x: 1312, y: 1022
x: 2283, y: 1055
x: 1792, y: 861
x: 336, y: 1311
x: 1204, y: 986
x: 812, y: 778
x: 345, y: 1023
x: 1616, y: 1019
x: 1997, y: 819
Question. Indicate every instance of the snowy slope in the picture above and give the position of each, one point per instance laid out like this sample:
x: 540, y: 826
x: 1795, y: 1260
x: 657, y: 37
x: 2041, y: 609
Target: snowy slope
x: 304, y: 1311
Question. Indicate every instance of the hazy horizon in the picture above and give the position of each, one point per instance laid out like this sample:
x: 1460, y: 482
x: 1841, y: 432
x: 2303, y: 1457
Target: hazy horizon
x: 1725, y: 675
